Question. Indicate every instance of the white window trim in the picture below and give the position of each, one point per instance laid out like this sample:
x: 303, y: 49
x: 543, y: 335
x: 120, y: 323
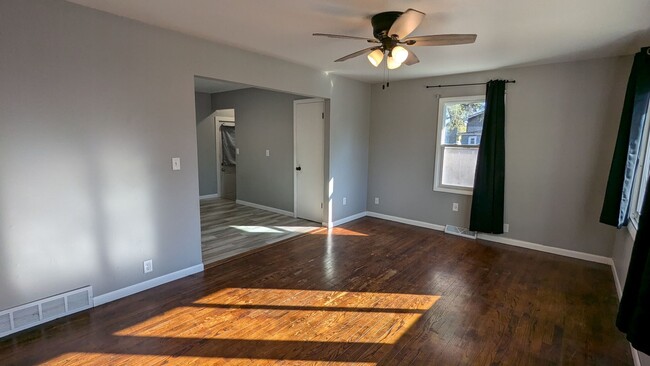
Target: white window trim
x: 437, y: 175
x: 636, y: 188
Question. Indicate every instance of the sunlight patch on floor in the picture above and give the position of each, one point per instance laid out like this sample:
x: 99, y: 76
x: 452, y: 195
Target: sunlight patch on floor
x: 87, y: 358
x: 253, y: 229
x: 249, y: 314
x: 256, y: 229
x: 341, y: 231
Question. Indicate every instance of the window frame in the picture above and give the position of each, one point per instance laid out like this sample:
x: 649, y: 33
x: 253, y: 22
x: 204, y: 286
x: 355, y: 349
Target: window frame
x: 642, y: 169
x: 437, y: 175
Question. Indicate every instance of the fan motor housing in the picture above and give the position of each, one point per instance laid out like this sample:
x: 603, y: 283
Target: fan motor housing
x: 382, y: 22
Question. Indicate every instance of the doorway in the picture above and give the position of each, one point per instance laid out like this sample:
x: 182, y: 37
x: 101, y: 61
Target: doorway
x: 226, y: 154
x: 309, y: 132
x: 246, y: 167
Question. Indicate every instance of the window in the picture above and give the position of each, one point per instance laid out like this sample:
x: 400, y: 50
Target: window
x: 460, y: 124
x: 642, y: 174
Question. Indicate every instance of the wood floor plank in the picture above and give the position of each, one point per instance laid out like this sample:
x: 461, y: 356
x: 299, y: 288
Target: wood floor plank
x: 229, y: 229
x: 371, y: 292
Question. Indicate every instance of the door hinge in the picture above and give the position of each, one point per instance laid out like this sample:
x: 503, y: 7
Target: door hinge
x: 323, y: 115
x: 321, y: 205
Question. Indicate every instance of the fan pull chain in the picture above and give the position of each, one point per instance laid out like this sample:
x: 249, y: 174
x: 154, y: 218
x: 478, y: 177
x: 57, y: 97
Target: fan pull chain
x: 386, y: 81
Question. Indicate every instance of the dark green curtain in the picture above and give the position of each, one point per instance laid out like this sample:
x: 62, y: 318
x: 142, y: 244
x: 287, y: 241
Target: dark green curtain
x: 487, y: 200
x: 634, y: 310
x: 616, y: 205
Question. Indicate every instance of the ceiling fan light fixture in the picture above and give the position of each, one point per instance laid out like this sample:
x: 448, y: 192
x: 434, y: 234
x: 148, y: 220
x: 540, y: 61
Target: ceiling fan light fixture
x: 375, y: 57
x: 400, y: 54
x: 392, y: 63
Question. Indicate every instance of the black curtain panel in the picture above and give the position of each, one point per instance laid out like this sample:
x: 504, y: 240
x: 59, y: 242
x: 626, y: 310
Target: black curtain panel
x: 616, y: 204
x: 634, y: 310
x: 487, y: 200
x: 228, y: 148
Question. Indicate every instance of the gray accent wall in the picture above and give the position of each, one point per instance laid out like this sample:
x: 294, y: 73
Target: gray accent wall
x: 92, y: 109
x: 561, y: 125
x: 264, y: 120
x: 206, y: 144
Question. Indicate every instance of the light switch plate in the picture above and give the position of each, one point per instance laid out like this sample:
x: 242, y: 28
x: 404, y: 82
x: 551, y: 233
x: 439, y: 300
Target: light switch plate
x: 454, y: 206
x: 345, y: 201
x: 176, y: 163
x: 268, y: 152
x: 237, y: 150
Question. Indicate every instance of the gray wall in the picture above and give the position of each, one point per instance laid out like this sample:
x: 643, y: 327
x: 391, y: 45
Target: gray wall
x: 621, y: 254
x: 205, y: 139
x: 264, y: 120
x: 349, y: 131
x: 561, y: 124
x: 92, y: 109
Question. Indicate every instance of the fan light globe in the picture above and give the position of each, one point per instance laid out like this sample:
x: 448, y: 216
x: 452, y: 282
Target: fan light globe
x: 375, y: 57
x: 392, y: 63
x: 400, y: 54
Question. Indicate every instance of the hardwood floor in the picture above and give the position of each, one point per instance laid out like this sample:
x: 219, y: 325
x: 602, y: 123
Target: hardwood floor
x: 371, y: 292
x: 229, y: 229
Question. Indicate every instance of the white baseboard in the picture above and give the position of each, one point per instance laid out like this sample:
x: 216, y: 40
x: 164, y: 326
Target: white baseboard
x: 406, y: 221
x: 619, y: 289
x: 208, y: 196
x: 138, y: 287
x: 547, y: 249
x: 346, y: 219
x: 635, y: 356
x: 266, y: 208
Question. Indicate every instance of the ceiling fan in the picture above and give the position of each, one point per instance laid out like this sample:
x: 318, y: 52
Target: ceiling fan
x: 390, y: 30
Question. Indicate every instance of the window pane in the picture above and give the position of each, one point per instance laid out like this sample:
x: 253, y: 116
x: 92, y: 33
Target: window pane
x: 463, y: 123
x: 645, y: 175
x: 458, y: 166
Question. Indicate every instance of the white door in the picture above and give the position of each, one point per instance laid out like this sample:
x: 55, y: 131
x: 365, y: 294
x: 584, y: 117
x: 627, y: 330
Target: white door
x: 309, y: 158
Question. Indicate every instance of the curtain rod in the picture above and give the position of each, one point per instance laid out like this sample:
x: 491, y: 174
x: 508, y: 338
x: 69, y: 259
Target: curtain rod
x: 449, y: 85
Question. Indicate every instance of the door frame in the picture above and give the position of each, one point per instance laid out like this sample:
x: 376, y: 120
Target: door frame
x: 295, y: 157
x: 218, y: 122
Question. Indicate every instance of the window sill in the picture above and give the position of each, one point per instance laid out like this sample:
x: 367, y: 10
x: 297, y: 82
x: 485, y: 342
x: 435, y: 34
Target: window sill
x: 467, y: 192
x: 631, y: 228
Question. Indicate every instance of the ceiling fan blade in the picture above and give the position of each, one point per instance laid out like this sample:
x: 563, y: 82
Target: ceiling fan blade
x: 339, y: 36
x: 412, y: 59
x: 356, y: 54
x: 440, y: 40
x: 406, y: 23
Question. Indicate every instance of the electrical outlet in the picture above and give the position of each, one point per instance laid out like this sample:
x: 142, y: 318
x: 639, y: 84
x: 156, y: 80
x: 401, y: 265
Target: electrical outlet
x: 506, y: 228
x: 176, y: 163
x: 148, y: 266
x: 345, y: 201
x: 454, y: 206
x: 376, y: 200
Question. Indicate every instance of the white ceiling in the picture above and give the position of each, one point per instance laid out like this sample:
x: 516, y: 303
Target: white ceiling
x: 510, y: 32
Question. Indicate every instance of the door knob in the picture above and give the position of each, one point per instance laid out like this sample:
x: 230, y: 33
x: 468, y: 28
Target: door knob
x: 223, y: 169
x: 298, y: 168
